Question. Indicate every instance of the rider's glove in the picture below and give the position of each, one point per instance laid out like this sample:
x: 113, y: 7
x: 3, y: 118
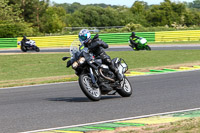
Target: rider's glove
x: 69, y: 63
x: 64, y: 58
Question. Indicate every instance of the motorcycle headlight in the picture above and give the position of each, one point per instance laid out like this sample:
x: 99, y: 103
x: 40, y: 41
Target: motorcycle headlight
x: 81, y: 60
x: 124, y: 66
x: 75, y: 65
x: 19, y: 42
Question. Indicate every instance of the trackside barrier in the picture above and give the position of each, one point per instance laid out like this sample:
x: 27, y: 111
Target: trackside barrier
x: 177, y: 36
x: 52, y: 41
x: 114, y: 38
x: 110, y: 38
x: 8, y: 42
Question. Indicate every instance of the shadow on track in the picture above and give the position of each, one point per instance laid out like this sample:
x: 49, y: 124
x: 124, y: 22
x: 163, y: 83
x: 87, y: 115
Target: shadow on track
x: 79, y: 99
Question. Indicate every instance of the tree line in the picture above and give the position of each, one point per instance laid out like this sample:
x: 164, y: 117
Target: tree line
x: 37, y: 17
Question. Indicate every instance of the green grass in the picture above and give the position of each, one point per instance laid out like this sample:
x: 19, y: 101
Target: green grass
x: 32, y: 66
x: 25, y: 66
x: 145, y: 59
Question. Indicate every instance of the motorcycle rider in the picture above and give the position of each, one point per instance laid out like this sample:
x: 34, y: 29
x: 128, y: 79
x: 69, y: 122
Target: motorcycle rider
x: 133, y: 38
x: 97, y: 46
x: 24, y: 40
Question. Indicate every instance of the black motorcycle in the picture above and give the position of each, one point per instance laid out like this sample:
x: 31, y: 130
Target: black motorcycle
x: 95, y: 78
x: 29, y: 45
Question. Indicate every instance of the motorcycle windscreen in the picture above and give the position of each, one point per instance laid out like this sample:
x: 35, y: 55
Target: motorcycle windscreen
x: 143, y: 41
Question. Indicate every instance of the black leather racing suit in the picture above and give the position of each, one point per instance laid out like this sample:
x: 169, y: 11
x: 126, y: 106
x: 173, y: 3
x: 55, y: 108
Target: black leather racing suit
x: 24, y: 40
x: 133, y: 43
x: 97, y: 46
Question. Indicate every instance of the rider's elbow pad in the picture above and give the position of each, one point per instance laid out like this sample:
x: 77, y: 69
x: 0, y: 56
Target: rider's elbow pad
x: 104, y: 45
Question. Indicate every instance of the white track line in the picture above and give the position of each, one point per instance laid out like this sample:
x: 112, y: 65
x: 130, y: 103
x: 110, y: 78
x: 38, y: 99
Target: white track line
x: 122, y: 119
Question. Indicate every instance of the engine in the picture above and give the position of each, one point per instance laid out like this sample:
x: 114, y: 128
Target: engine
x: 106, y: 73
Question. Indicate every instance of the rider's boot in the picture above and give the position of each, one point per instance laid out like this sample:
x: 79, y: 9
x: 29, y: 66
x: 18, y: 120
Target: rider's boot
x: 116, y: 72
x: 118, y: 75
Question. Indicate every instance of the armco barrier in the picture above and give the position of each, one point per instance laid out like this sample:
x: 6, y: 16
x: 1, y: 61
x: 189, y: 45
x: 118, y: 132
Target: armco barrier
x: 177, y: 36
x: 8, y: 42
x: 114, y: 38
x: 110, y: 38
x: 52, y: 41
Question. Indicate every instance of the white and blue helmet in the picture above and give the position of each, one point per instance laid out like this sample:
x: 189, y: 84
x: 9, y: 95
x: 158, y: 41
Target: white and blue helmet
x: 84, y: 35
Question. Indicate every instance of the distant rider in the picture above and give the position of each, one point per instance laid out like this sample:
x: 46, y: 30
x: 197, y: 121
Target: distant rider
x: 97, y: 46
x: 24, y: 40
x: 133, y: 39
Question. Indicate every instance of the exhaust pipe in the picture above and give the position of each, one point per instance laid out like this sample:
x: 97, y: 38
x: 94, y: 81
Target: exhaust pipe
x: 100, y: 70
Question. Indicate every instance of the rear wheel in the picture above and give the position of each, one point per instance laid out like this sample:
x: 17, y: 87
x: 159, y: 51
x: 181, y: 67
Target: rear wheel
x: 126, y: 88
x: 148, y: 48
x: 85, y: 83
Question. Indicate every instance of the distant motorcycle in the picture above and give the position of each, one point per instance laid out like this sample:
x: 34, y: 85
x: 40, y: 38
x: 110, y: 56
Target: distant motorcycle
x: 29, y: 45
x: 91, y: 71
x: 141, y: 44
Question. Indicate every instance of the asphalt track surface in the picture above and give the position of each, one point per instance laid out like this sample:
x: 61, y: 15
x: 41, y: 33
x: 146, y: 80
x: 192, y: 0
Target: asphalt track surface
x: 56, y: 105
x: 113, y: 48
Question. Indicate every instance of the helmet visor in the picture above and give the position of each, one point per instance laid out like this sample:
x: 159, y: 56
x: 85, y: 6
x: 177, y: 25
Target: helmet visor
x: 83, y: 38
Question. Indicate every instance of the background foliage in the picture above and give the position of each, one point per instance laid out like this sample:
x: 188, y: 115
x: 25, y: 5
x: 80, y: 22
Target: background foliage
x: 38, y: 17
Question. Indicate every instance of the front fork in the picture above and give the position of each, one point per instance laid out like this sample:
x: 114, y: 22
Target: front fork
x: 92, y: 76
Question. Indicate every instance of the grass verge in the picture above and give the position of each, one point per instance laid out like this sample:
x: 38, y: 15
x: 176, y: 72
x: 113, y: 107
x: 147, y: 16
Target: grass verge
x: 191, y: 125
x: 39, y: 68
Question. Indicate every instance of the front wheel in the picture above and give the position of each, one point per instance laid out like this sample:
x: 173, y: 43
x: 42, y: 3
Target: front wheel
x: 37, y: 49
x: 126, y: 88
x: 85, y: 83
x: 148, y: 48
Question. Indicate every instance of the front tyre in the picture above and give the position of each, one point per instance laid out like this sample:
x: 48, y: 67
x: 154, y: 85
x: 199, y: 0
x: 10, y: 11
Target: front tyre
x: 126, y: 88
x: 85, y: 83
x: 37, y: 49
x: 148, y: 48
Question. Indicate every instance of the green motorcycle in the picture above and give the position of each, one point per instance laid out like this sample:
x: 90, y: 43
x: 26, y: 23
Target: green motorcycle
x: 139, y: 44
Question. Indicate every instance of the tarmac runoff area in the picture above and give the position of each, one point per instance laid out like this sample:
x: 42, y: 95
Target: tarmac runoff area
x: 132, y: 122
